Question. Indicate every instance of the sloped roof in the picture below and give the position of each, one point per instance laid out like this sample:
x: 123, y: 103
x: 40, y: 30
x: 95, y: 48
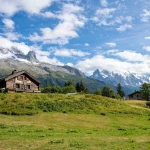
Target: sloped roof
x: 134, y: 93
x: 17, y: 74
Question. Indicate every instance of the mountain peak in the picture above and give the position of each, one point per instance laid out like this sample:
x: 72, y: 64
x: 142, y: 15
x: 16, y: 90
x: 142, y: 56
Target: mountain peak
x: 126, y: 79
x: 31, y: 56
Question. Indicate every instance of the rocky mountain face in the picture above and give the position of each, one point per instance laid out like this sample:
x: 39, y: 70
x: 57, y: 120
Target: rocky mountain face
x: 128, y: 80
x: 18, y: 55
x: 14, y: 59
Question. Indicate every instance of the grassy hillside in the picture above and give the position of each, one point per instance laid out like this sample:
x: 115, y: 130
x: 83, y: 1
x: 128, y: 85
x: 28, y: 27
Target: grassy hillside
x: 32, y: 103
x: 54, y: 122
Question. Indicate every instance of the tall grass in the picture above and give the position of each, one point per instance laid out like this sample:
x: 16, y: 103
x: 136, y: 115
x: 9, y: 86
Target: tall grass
x: 31, y: 103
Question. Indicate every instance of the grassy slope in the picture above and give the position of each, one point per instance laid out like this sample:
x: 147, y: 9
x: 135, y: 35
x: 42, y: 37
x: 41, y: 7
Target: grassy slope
x: 87, y: 122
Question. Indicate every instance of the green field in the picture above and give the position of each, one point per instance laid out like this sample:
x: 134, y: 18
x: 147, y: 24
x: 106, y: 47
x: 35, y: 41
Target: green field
x: 63, y: 122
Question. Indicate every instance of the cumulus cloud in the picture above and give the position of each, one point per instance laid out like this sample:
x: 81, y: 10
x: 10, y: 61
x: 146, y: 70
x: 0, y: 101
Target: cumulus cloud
x: 10, y: 7
x: 147, y: 38
x: 11, y: 35
x: 8, y: 23
x: 147, y: 48
x: 43, y: 56
x: 109, y: 17
x: 71, y: 20
x: 111, y: 44
x: 145, y: 17
x: 86, y: 44
x: 112, y: 64
x: 124, y: 27
x: 70, y: 53
x: 133, y: 56
x: 104, y: 3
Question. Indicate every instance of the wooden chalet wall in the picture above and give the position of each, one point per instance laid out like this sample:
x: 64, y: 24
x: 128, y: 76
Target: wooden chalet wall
x: 23, y: 81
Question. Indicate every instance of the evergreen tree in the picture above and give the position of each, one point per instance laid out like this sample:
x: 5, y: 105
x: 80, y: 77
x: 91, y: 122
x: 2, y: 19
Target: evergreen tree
x: 108, y: 92
x: 69, y: 83
x: 78, y: 87
x: 82, y: 87
x: 120, y: 91
x: 145, y: 91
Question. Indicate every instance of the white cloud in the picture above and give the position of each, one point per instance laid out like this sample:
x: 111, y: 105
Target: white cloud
x: 48, y: 14
x: 147, y: 48
x: 124, y: 27
x: 5, y: 43
x: 112, y: 64
x: 69, y: 53
x: 145, y: 17
x: 70, y: 18
x: 70, y: 64
x: 132, y: 56
x: 8, y: 23
x: 109, y: 17
x: 86, y: 44
x: 111, y: 44
x: 111, y: 52
x: 104, y: 3
x: 10, y: 7
x: 43, y: 56
x: 147, y: 38
x: 12, y: 36
x: 105, y: 12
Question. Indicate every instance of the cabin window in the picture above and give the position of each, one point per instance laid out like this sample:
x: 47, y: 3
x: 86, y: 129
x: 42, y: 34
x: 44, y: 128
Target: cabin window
x: 26, y: 78
x: 17, y: 86
x: 29, y: 87
x: 20, y: 78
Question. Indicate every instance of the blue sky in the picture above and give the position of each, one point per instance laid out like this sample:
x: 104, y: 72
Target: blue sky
x: 87, y: 34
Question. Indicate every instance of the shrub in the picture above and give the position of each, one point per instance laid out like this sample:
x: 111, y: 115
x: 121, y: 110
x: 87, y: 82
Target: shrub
x: 97, y: 92
x: 69, y: 89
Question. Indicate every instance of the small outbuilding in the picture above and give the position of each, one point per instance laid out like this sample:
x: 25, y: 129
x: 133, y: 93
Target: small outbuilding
x: 20, y: 81
x: 135, y: 96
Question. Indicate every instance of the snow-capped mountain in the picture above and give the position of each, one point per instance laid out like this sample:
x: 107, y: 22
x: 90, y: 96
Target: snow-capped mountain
x: 14, y: 58
x: 18, y: 55
x: 126, y: 79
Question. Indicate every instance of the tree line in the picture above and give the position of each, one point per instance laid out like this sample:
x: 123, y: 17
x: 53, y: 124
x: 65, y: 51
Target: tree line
x: 70, y: 87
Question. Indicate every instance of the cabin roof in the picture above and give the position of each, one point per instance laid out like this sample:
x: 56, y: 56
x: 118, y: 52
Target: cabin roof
x: 134, y: 93
x: 15, y: 74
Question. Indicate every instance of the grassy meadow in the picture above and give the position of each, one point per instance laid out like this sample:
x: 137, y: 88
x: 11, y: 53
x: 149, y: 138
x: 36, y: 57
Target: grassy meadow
x: 65, y: 122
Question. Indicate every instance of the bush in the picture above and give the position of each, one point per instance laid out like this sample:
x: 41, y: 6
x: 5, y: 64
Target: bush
x: 69, y: 89
x: 56, y: 89
x: 46, y: 90
x: 97, y: 92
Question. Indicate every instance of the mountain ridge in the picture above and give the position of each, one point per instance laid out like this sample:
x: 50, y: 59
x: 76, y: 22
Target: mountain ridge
x: 13, y: 59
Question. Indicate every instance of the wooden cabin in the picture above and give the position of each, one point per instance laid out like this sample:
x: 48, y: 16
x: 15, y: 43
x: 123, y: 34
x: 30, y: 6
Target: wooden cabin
x: 135, y: 96
x: 20, y: 81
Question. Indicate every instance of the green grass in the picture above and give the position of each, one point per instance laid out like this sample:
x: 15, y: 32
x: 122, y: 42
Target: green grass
x: 58, y: 122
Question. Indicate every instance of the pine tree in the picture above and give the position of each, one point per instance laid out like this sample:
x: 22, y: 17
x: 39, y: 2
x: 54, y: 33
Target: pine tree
x: 108, y: 92
x: 145, y: 91
x: 78, y: 87
x: 120, y: 91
